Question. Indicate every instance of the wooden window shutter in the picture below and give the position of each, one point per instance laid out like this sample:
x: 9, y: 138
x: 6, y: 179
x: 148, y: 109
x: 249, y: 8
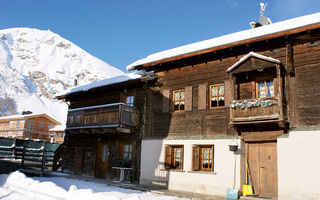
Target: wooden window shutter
x: 168, y: 157
x: 227, y: 93
x: 202, y: 97
x: 166, y: 101
x: 188, y: 98
x: 212, y: 157
x: 182, y: 155
x: 195, y: 158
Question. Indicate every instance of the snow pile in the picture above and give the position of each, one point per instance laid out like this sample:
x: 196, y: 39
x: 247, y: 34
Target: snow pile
x: 105, y: 82
x: 17, y: 186
x: 35, y: 65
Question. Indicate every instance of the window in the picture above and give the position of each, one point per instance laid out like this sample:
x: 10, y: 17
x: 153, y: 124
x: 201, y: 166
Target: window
x: 178, y: 100
x: 130, y: 100
x: 17, y: 124
x: 202, y: 158
x: 265, y: 88
x: 41, y: 125
x: 174, y: 157
x: 126, y: 151
x: 30, y: 124
x: 216, y: 95
x: 11, y: 124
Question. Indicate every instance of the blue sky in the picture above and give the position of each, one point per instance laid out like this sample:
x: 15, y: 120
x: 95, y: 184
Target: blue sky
x: 121, y: 32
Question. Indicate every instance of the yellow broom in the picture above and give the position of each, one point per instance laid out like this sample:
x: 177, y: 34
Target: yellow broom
x: 247, y: 189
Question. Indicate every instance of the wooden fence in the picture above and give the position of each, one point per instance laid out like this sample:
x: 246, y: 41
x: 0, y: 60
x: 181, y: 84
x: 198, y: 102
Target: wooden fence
x: 32, y: 160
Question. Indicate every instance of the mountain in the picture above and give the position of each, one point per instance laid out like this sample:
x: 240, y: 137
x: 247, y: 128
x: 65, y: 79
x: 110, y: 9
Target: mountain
x: 37, y: 64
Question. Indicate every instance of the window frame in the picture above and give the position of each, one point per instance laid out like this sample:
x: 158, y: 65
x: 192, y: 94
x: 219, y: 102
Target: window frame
x: 170, y: 157
x: 131, y: 104
x: 179, y: 101
x: 130, y: 152
x: 265, y: 78
x: 197, y: 158
x: 210, y: 95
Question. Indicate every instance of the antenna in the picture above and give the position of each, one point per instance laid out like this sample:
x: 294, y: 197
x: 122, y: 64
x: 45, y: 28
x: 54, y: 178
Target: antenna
x: 263, y: 20
x: 262, y: 8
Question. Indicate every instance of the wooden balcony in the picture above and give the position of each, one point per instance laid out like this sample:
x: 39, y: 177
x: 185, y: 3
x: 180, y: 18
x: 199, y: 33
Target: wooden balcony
x: 256, y: 111
x: 117, y: 115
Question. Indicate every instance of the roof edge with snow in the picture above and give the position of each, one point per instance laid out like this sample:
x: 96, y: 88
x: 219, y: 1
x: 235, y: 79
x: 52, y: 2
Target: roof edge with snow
x: 30, y: 116
x: 234, y: 38
x: 121, y: 79
x: 249, y: 55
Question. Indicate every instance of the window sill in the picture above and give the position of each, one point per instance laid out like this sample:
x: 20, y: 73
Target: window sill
x: 202, y: 172
x: 217, y: 107
x: 173, y: 170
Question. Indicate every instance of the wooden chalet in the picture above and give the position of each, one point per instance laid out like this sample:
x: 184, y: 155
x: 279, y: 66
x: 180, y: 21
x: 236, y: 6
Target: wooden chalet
x: 104, y: 126
x: 28, y: 126
x: 257, y: 88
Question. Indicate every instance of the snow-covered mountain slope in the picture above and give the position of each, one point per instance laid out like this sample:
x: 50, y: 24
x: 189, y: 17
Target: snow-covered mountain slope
x: 37, y: 64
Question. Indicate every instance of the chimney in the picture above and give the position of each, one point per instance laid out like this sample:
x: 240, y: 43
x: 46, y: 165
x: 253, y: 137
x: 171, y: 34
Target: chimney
x: 27, y: 112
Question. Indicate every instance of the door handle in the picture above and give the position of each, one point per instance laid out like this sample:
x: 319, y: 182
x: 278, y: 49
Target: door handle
x: 261, y: 167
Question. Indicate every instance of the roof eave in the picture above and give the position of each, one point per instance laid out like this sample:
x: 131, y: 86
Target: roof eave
x: 228, y: 45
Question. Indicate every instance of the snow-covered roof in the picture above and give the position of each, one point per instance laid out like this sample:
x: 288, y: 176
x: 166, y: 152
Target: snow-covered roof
x: 105, y: 82
x: 229, y: 39
x: 30, y: 116
x: 252, y: 54
x: 58, y: 128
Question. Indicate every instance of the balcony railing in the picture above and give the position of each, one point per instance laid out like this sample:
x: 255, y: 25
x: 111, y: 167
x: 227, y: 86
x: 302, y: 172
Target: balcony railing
x: 255, y: 110
x: 103, y: 116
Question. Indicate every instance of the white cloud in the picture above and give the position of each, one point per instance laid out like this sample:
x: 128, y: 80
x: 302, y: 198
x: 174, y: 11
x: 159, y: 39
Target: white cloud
x: 232, y: 3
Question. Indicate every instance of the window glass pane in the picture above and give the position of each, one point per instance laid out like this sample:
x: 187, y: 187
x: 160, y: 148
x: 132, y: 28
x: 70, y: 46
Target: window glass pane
x: 214, y: 91
x: 221, y: 101
x: 269, y: 84
x: 178, y: 152
x: 104, y: 151
x: 205, y: 154
x: 126, y: 148
x: 176, y: 96
x: 261, y: 93
x: 214, y: 102
x: 126, y: 156
x: 182, y: 95
x: 221, y: 90
x: 261, y: 86
x: 130, y: 147
x: 182, y: 105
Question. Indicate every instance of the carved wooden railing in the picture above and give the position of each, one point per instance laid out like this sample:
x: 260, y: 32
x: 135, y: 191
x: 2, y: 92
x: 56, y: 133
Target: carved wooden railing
x: 108, y: 115
x: 256, y: 110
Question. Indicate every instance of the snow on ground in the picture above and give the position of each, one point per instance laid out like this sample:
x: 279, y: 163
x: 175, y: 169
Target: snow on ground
x: 16, y: 186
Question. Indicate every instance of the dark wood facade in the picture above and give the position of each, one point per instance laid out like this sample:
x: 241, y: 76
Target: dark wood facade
x: 207, y: 94
x: 294, y: 80
x: 264, y: 96
x: 103, y: 131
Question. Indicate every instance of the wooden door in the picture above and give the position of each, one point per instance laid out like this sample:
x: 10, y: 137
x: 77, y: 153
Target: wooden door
x: 101, y: 170
x: 262, y: 164
x: 77, y: 159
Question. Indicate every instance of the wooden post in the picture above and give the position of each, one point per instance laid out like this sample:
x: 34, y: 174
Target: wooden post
x: 44, y: 156
x: 23, y: 152
x: 232, y: 80
x: 280, y: 92
x: 120, y: 115
x: 13, y: 155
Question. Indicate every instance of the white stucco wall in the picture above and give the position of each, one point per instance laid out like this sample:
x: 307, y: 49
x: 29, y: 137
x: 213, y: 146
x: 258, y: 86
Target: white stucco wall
x: 299, y: 165
x: 152, y: 167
